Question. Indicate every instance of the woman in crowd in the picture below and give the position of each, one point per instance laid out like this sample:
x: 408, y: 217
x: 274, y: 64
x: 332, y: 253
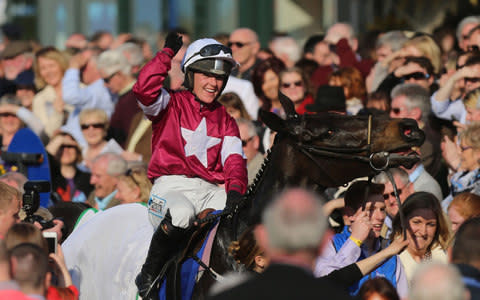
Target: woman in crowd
x: 234, y: 106
x: 94, y: 125
x: 295, y: 85
x: 134, y: 186
x: 49, y: 66
x: 68, y: 181
x: 378, y: 288
x: 427, y: 231
x: 467, y: 176
x: 353, y: 84
x: 463, y: 207
x: 266, y: 83
x: 247, y: 252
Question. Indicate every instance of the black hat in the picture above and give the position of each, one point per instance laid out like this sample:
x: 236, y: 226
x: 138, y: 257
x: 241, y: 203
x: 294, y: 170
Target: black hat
x: 329, y: 98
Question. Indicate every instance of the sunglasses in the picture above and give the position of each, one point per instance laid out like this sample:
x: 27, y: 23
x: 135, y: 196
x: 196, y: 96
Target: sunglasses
x: 386, y: 196
x: 210, y: 50
x: 68, y: 147
x: 245, y: 142
x: 94, y: 125
x: 415, y: 76
x: 109, y: 78
x: 286, y: 85
x: 396, y: 110
x: 472, y: 79
x: 237, y: 44
x: 7, y: 115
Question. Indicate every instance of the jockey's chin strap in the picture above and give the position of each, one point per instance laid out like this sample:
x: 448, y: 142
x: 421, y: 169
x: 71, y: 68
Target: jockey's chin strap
x: 378, y: 161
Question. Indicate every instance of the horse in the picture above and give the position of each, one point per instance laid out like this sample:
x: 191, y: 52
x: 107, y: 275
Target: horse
x: 314, y: 152
x: 310, y: 151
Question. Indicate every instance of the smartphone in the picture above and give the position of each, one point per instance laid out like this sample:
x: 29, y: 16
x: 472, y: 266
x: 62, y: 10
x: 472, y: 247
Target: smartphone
x: 51, y: 238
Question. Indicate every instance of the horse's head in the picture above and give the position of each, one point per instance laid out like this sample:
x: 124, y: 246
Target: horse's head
x: 343, y: 147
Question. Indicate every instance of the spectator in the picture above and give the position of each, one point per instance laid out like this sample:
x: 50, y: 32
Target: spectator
x: 411, y: 101
x: 94, y: 125
x: 466, y: 178
x: 245, y: 46
x: 250, y: 145
x: 116, y: 73
x: 317, y: 50
x: 83, y: 66
x: 378, y: 288
x: 134, y: 186
x: 463, y: 28
x: 362, y: 238
x: 25, y: 90
x: 247, y: 252
x: 424, y: 45
x: 10, y: 203
x: 17, y: 60
x: 234, y: 106
x: 75, y: 43
x: 465, y: 255
x: 437, y: 281
x: 68, y: 181
x: 9, y: 288
x: 404, y: 189
x: 134, y: 55
x: 266, y: 83
x: 101, y: 39
x: 286, y: 49
x: 245, y: 91
x: 106, y: 168
x: 464, y: 206
x: 427, y: 231
x: 353, y: 84
x: 48, y: 105
x: 292, y: 231
x: 296, y: 86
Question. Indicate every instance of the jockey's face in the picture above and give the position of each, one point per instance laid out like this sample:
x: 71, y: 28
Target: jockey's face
x: 207, y: 87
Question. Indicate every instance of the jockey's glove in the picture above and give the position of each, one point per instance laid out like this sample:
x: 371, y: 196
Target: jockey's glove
x: 174, y: 42
x: 234, y: 199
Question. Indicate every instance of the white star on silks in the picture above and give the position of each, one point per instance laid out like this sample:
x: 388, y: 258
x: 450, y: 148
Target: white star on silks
x: 198, y: 142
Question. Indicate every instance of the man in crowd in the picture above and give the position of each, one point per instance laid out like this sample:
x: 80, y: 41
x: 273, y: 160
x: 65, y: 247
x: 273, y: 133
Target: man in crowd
x: 9, y: 288
x: 464, y: 28
x: 250, y: 145
x: 16, y: 60
x: 105, y: 169
x: 245, y: 46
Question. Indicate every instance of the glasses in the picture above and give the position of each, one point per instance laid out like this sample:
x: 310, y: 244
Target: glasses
x: 8, y: 115
x: 107, y: 79
x: 458, y: 67
x: 68, y: 147
x: 245, y: 142
x: 210, y: 50
x: 386, y: 196
x: 472, y: 79
x: 238, y: 44
x: 286, y: 85
x: 465, y: 148
x: 396, y: 110
x: 415, y: 76
x: 130, y: 173
x: 94, y: 125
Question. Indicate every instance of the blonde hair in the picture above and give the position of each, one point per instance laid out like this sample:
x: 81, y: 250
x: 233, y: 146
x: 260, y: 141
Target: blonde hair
x: 7, y: 195
x: 137, y: 177
x: 429, y: 48
x: 471, y: 99
x: 245, y: 249
x: 96, y: 112
x: 471, y: 135
x: 49, y: 53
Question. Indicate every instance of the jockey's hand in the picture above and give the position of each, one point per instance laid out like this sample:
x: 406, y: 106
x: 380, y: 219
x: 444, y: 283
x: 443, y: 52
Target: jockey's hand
x: 174, y: 42
x: 234, y: 198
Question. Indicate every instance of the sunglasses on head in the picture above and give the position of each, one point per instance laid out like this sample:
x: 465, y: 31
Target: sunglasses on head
x: 94, y: 125
x: 386, y: 196
x: 472, y: 79
x: 210, y: 50
x: 237, y: 44
x: 415, y: 76
x: 286, y: 85
x: 109, y: 78
x: 130, y: 173
x: 245, y: 142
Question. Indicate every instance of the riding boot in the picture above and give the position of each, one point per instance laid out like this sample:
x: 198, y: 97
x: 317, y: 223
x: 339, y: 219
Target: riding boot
x: 162, y: 248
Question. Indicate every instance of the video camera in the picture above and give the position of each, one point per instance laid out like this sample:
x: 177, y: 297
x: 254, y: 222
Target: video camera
x: 31, y: 201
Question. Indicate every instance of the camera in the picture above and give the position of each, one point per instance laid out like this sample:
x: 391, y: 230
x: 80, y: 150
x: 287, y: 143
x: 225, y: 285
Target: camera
x: 31, y: 201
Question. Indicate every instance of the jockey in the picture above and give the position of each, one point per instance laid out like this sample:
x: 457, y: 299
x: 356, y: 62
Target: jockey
x: 197, y: 159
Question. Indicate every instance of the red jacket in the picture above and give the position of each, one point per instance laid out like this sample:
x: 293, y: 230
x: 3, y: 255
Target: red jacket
x: 189, y: 138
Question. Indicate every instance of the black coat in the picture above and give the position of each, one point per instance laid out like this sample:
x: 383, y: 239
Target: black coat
x: 290, y: 282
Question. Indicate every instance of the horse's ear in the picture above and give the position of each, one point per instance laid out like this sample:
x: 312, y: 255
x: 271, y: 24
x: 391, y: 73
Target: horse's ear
x: 287, y: 105
x: 273, y: 121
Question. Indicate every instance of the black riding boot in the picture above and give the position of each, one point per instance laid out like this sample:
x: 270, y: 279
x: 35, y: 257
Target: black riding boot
x: 162, y: 247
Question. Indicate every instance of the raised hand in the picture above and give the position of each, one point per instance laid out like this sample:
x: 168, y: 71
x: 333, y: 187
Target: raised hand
x: 174, y: 42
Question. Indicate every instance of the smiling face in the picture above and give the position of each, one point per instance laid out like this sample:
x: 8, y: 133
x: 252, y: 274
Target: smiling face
x: 50, y: 70
x: 104, y: 183
x: 270, y: 85
x: 127, y: 192
x: 404, y: 190
x: 206, y: 87
x: 422, y: 226
x: 69, y: 153
x: 10, y: 123
x: 292, y: 86
x: 469, y: 156
x: 376, y: 209
x: 93, y: 133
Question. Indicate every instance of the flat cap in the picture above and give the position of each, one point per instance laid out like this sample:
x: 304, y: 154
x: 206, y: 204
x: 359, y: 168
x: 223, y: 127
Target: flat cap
x: 15, y: 48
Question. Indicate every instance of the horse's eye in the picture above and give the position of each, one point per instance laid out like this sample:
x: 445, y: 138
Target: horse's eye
x: 330, y: 132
